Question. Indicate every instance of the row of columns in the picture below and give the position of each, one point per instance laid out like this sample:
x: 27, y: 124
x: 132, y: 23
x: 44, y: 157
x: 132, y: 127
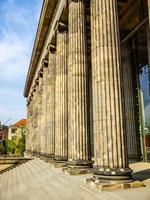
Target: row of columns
x: 61, y: 102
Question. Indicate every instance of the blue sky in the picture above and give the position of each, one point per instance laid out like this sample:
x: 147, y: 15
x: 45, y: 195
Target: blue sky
x: 18, y: 24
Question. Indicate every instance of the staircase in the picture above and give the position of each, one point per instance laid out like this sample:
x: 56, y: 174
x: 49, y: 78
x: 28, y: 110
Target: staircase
x: 37, y: 180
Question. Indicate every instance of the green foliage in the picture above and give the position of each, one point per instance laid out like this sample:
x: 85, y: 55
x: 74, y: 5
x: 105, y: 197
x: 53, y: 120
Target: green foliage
x: 11, y: 145
x: 20, y: 145
x: 3, y: 148
x: 17, y: 144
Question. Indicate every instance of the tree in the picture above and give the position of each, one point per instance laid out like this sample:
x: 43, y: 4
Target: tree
x: 17, y: 144
x: 3, y: 147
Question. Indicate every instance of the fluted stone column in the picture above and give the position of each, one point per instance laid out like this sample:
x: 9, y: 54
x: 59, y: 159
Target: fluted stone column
x: 44, y: 112
x: 51, y: 102
x: 30, y: 130
x: 42, y: 135
x: 33, y: 123
x: 133, y: 140
x: 28, y: 127
x: 110, y: 150
x: 78, y: 133
x: 40, y: 126
x: 61, y: 110
x: 35, y: 119
x: 38, y: 91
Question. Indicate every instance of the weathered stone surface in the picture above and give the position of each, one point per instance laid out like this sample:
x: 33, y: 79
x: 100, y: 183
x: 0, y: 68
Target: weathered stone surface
x: 44, y: 113
x: 61, y: 98
x: 39, y: 102
x: 114, y: 186
x: 78, y: 134
x: 28, y: 126
x: 35, y: 120
x: 51, y: 104
x: 110, y: 150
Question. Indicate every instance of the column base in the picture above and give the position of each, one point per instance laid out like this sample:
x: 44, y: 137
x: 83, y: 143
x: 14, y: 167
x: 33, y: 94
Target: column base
x: 29, y: 153
x: 59, y: 163
x: 61, y: 158
x: 113, y: 185
x: 112, y: 172
x: 78, y: 167
x: 48, y: 158
x: 37, y: 154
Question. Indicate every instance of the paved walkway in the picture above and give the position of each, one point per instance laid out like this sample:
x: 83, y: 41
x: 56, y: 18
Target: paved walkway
x: 36, y: 180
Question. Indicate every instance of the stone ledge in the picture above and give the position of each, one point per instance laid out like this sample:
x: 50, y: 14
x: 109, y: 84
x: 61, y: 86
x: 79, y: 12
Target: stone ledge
x: 115, y: 186
x: 77, y: 171
x: 58, y: 164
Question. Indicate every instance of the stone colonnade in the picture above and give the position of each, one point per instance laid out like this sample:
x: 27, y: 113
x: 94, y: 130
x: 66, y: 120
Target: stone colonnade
x: 61, y: 94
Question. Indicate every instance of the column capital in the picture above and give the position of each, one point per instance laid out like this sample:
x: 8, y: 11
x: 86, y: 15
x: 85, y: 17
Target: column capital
x: 44, y: 63
x: 61, y: 27
x: 37, y: 81
x: 69, y: 1
x: 29, y: 99
x: 34, y: 88
x: 51, y: 48
x: 28, y: 103
x: 40, y: 73
x: 31, y: 96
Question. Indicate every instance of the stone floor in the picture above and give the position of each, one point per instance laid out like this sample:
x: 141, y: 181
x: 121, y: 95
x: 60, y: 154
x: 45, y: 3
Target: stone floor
x: 36, y: 180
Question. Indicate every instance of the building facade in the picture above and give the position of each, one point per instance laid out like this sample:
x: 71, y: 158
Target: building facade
x: 82, y: 86
x: 18, y: 129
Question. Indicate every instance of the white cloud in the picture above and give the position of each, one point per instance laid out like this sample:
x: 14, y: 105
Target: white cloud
x: 14, y: 57
x: 16, y: 41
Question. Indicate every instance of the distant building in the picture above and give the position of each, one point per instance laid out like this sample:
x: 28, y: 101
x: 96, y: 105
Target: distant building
x: 3, y: 132
x: 17, y: 129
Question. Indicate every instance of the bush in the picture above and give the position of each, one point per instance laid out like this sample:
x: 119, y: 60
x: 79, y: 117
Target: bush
x: 11, y: 146
x: 16, y: 145
x: 3, y: 148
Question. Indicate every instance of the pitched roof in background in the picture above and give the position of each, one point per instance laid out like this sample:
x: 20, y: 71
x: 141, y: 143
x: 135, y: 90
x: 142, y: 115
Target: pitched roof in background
x: 21, y: 122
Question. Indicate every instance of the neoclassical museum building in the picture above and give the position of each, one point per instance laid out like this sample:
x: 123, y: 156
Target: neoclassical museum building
x: 85, y: 105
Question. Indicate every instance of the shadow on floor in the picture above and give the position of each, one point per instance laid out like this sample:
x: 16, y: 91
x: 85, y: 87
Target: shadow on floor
x: 142, y: 175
